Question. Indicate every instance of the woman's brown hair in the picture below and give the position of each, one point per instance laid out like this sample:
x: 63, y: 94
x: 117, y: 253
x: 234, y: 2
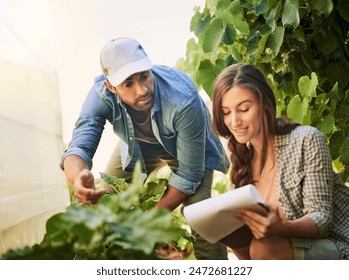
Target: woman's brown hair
x: 250, y: 77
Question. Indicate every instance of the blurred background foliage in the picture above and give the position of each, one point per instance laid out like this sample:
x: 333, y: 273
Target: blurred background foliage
x: 300, y: 45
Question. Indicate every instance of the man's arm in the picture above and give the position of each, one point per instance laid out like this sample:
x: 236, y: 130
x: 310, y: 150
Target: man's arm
x: 78, y: 174
x: 171, y: 198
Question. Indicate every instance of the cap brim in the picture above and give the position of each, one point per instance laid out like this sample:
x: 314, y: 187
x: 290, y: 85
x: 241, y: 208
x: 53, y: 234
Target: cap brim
x: 140, y: 65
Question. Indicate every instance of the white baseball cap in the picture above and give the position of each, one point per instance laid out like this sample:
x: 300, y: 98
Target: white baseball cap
x: 121, y: 58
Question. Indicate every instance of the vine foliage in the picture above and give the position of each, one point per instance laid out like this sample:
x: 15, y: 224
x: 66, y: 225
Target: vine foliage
x: 300, y: 45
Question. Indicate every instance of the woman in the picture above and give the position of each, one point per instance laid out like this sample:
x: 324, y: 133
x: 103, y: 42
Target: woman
x: 289, y: 164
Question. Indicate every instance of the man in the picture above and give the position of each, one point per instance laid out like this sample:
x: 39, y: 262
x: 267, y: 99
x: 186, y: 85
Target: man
x: 160, y: 118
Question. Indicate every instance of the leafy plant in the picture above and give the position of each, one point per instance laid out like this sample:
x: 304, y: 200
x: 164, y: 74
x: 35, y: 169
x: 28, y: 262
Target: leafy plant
x: 122, y: 226
x: 300, y: 45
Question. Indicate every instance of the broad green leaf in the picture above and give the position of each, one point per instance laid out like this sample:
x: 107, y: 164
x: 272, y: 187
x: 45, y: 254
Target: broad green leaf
x: 237, y: 51
x: 229, y: 35
x: 299, y: 35
x: 238, y: 20
x: 222, y: 4
x: 241, y: 25
x: 307, y: 87
x: 324, y: 6
x: 343, y: 9
x: 85, y: 215
x: 321, y: 102
x: 58, y: 229
x: 343, y: 112
x: 297, y: 109
x: 345, y: 152
x: 223, y: 11
x: 148, y: 229
x: 333, y: 94
x: 274, y: 15
x: 118, y: 184
x: 137, y: 176
x: 290, y: 13
x: 130, y: 198
x: 326, y: 41
x: 114, y: 228
x: 213, y: 36
x: 199, y: 23
x: 336, y: 143
x: 208, y: 72
x: 275, y: 41
x: 337, y: 72
x: 262, y: 50
x: 211, y: 6
x: 326, y: 125
x: 261, y: 7
x: 155, y: 187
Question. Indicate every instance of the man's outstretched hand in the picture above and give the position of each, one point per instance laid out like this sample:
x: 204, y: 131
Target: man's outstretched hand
x: 85, y: 189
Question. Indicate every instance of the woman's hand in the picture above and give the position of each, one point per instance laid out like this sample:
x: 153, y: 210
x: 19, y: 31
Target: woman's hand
x: 260, y: 226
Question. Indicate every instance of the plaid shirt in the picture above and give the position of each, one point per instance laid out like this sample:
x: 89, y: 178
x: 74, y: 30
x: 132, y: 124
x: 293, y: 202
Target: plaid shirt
x: 307, y: 185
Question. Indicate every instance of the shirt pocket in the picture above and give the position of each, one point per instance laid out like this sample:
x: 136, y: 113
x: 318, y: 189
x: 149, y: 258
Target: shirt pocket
x: 293, y: 187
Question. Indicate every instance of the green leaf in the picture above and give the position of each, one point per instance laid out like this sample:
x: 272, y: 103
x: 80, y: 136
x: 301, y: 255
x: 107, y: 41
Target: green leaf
x: 326, y: 41
x: 156, y: 186
x: 325, y: 7
x: 343, y: 111
x: 137, y: 176
x: 275, y: 41
x: 261, y: 7
x: 229, y: 35
x: 262, y: 50
x: 343, y: 9
x: 345, y: 153
x: 326, y: 125
x: 337, y: 72
x: 290, y: 13
x: 199, y: 23
x: 274, y: 15
x: 208, y: 72
x: 85, y: 215
x: 297, y: 109
x: 118, y: 184
x: 237, y: 51
x: 213, y: 36
x: 130, y: 198
x: 307, y: 87
x: 238, y: 19
x: 223, y: 11
x: 148, y: 229
x: 336, y: 143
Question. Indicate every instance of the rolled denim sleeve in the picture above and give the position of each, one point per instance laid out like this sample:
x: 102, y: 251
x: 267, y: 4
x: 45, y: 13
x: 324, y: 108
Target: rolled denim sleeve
x: 182, y: 184
x: 79, y: 152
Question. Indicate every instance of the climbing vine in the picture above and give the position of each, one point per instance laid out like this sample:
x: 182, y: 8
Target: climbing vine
x: 300, y: 45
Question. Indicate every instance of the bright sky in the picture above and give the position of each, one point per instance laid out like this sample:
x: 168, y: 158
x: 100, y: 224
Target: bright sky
x: 66, y: 36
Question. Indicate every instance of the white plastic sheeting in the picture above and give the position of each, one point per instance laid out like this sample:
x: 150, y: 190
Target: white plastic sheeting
x: 32, y: 186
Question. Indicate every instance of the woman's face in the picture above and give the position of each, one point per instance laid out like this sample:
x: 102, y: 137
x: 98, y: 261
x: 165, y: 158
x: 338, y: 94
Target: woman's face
x: 242, y: 115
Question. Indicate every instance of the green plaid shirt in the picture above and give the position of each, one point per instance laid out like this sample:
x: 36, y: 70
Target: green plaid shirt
x: 308, y: 186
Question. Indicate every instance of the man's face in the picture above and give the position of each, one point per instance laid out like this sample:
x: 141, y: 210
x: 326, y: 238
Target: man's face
x: 137, y: 91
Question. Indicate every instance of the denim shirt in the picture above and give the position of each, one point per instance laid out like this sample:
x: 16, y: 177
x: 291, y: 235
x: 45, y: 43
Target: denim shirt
x: 180, y: 121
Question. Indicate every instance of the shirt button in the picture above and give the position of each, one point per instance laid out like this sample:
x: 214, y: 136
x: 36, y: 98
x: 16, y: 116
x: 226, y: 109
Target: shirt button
x: 131, y: 138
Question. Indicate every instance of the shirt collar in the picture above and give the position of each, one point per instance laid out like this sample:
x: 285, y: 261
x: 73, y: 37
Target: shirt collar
x: 156, y: 106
